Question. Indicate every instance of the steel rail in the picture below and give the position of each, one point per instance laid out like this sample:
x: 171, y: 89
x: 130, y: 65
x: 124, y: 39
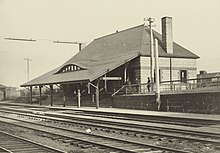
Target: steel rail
x: 95, y: 138
x: 12, y: 143
x: 121, y: 127
x: 148, y: 118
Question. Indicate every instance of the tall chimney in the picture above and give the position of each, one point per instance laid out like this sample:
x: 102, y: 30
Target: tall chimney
x: 167, y: 34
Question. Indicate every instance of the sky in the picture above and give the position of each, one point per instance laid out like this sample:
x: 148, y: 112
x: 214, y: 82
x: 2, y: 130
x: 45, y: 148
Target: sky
x: 195, y: 26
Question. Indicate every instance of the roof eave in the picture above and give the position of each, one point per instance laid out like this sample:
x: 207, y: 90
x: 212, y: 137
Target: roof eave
x: 64, y: 82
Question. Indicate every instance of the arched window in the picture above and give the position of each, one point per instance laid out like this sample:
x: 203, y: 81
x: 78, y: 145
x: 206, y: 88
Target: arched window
x: 70, y: 68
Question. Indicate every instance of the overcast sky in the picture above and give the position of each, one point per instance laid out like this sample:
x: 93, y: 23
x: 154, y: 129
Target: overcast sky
x: 195, y: 26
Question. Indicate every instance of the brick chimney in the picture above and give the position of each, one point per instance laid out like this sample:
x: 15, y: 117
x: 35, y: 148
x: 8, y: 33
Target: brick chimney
x: 167, y: 34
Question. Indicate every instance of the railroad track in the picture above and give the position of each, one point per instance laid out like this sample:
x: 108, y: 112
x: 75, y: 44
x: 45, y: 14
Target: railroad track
x: 203, y: 137
x: 13, y: 144
x: 124, y: 128
x: 76, y: 116
x: 91, y: 140
x: 92, y: 121
x: 161, y: 136
x: 149, y: 118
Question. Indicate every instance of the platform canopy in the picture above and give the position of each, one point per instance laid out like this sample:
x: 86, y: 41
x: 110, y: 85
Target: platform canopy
x: 105, y: 54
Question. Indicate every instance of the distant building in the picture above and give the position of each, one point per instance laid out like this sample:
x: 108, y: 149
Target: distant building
x: 204, y: 77
x: 7, y: 93
x: 2, y: 92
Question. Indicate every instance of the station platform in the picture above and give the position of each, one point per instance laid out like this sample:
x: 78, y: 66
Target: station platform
x: 208, y: 117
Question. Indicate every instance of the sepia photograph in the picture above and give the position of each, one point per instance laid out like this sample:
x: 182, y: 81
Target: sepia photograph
x: 113, y: 76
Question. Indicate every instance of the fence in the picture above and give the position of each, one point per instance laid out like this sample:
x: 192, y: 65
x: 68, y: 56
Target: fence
x: 211, y: 84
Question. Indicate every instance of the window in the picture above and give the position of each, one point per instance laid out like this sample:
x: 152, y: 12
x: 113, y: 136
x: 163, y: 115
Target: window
x: 70, y: 68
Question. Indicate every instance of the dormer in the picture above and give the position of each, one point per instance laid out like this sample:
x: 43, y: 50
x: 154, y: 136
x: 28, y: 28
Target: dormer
x: 70, y: 68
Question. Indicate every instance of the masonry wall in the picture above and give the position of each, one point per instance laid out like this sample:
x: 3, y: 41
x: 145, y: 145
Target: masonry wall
x: 208, y: 103
x: 164, y: 65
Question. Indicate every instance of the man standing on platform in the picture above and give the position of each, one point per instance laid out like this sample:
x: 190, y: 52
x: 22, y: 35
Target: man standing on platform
x: 148, y: 84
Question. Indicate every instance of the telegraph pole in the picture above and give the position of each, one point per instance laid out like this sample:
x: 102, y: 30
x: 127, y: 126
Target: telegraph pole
x: 151, y: 20
x: 157, y: 75
x: 151, y: 24
x: 28, y: 66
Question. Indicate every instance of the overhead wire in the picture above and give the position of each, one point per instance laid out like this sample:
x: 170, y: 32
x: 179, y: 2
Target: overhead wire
x: 41, y: 39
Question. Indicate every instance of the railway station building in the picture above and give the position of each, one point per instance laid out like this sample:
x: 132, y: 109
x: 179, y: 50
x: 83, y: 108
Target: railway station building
x: 100, y: 69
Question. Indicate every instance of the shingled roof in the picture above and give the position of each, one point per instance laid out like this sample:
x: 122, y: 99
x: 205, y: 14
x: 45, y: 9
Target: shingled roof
x: 107, y: 53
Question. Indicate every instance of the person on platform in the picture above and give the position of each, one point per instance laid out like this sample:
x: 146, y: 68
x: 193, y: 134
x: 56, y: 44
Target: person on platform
x: 137, y: 85
x: 148, y: 84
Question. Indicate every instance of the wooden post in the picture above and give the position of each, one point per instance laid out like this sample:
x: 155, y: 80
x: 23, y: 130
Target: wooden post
x: 152, y: 55
x: 93, y: 99
x: 4, y: 92
x: 97, y: 94
x: 125, y: 78
x: 157, y: 75
x: 64, y: 101
x: 64, y: 97
x: 89, y: 88
x: 125, y: 73
x: 31, y: 95
x: 105, y: 83
x: 40, y: 98
x: 79, y: 98
x: 97, y: 98
x: 51, y: 95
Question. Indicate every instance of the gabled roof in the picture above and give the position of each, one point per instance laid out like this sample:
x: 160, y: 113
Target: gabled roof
x: 178, y: 51
x: 107, y: 53
x: 2, y: 86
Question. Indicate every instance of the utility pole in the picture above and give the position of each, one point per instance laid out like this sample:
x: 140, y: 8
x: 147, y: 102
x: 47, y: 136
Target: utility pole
x: 151, y: 24
x: 151, y: 20
x: 157, y: 75
x: 28, y: 66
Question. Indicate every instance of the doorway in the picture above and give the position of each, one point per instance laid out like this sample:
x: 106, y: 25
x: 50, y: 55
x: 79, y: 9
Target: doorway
x: 183, y: 76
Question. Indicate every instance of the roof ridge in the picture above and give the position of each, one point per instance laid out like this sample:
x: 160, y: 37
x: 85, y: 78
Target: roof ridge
x: 118, y: 32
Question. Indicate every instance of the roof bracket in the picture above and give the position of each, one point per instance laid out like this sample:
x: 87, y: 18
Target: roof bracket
x: 92, y: 85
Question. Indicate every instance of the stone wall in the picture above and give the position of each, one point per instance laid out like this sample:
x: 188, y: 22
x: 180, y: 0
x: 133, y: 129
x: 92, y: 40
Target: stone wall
x: 141, y: 102
x: 208, y: 103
